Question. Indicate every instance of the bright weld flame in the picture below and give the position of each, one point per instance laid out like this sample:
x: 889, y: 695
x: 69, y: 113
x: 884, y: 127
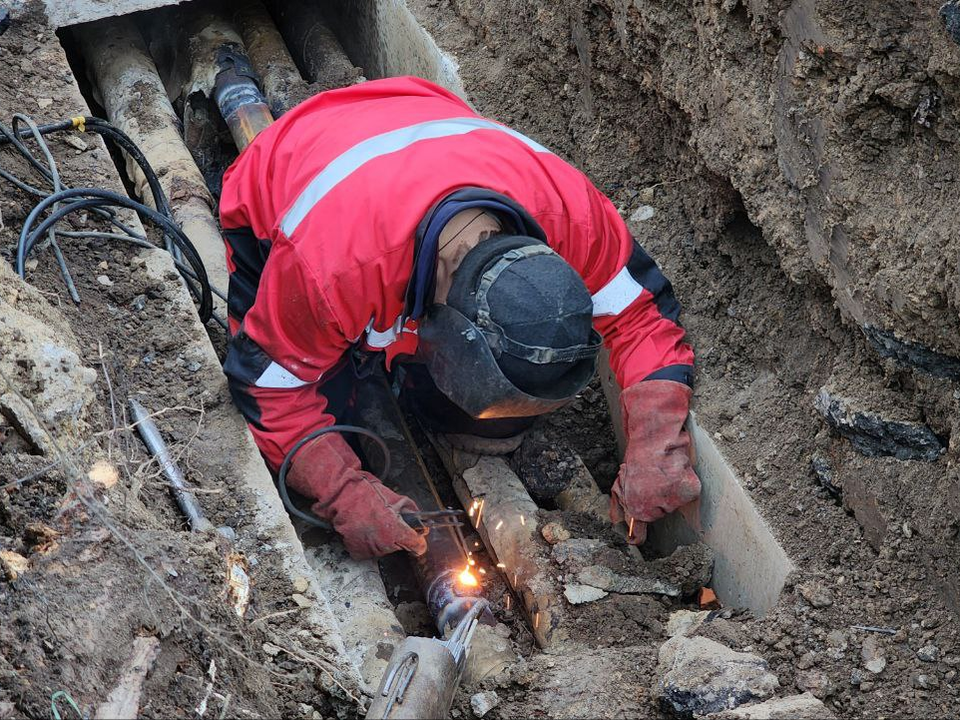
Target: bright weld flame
x: 471, y: 562
x: 467, y: 578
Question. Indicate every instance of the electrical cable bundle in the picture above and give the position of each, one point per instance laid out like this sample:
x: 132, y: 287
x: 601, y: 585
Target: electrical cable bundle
x: 63, y: 201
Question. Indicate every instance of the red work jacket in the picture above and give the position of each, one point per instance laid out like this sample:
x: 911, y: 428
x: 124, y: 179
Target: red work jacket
x: 332, y: 194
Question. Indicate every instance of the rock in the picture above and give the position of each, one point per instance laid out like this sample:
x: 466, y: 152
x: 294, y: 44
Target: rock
x: 302, y: 601
x: 484, y: 702
x: 104, y: 280
x: 577, y: 553
x: 837, y: 639
x: 300, y: 584
x: 271, y: 649
x: 643, y: 213
x: 815, y: 682
x: 606, y: 579
x: 697, y: 676
x: 13, y: 564
x: 872, y: 656
x: 873, y: 435
x: 686, y: 622
x: 554, y: 532
x: 816, y: 594
x: 75, y: 142
x: 924, y: 681
x: 823, y: 471
x: 44, y: 103
x: 580, y: 594
x: 794, y: 707
x: 104, y: 474
x: 929, y: 653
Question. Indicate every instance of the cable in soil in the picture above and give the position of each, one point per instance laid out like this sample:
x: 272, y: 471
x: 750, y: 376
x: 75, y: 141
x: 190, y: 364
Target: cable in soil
x: 63, y: 201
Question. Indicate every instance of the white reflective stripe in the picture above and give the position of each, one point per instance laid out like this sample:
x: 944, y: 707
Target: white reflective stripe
x: 616, y: 296
x: 277, y: 376
x: 340, y: 168
x: 377, y: 339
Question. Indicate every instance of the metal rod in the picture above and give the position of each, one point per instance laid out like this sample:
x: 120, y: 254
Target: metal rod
x: 154, y: 442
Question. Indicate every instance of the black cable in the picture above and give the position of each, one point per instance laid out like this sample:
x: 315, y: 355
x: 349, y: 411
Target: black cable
x: 310, y: 518
x: 175, y: 241
x: 93, y: 197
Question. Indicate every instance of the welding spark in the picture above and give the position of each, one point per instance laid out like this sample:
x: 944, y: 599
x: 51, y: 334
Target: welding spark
x: 471, y: 562
x: 502, y: 566
x: 630, y: 529
x: 508, y: 602
x: 482, y: 571
x: 499, y: 525
x: 467, y: 578
x: 480, y: 510
x: 536, y: 621
x: 523, y: 520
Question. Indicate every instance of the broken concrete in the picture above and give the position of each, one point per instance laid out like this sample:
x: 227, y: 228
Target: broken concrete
x: 794, y: 707
x: 697, y: 676
x: 44, y: 384
x: 604, y: 578
x: 873, y: 434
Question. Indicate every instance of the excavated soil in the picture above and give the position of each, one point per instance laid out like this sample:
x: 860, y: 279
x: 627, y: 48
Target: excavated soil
x: 602, y: 84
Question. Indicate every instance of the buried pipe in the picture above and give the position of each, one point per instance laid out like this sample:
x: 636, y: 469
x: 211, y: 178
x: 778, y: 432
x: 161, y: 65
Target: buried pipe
x: 282, y: 83
x: 221, y: 71
x: 129, y: 87
x: 449, y: 586
x: 314, y: 46
x: 506, y: 519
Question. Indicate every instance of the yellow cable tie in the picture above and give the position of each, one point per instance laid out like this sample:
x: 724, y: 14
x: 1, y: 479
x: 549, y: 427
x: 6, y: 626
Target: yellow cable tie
x: 79, y: 123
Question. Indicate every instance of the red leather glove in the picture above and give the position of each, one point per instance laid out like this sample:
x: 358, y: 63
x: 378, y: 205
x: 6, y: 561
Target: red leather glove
x: 364, y: 511
x: 656, y: 477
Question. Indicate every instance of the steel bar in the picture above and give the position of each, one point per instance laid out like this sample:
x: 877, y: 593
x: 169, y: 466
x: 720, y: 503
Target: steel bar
x: 154, y: 442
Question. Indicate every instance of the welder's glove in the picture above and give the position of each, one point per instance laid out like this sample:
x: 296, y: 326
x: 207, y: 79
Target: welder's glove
x: 656, y: 477
x: 364, y: 511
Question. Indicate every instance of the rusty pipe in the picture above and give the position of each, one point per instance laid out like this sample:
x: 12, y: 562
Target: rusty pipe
x: 237, y: 94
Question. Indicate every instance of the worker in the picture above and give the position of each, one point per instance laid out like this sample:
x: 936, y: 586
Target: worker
x: 389, y: 217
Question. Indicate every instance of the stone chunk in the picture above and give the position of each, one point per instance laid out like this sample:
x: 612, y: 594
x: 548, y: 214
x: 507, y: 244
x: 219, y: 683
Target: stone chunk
x: 697, y: 676
x: 554, y: 532
x: 794, y: 707
x: 874, y: 435
x: 580, y: 594
x: 872, y: 656
x: 484, y: 702
x: 816, y: 594
x: 606, y: 579
x: 577, y: 553
x: 686, y: 622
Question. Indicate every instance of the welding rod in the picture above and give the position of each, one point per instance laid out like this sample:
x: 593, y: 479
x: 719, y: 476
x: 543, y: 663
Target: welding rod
x: 154, y: 442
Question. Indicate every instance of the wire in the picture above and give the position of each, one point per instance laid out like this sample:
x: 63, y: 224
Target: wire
x: 310, y: 518
x: 103, y: 203
x: 85, y: 198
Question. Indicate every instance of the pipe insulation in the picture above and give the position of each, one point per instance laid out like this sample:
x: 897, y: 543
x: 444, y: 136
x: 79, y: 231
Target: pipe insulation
x: 129, y: 87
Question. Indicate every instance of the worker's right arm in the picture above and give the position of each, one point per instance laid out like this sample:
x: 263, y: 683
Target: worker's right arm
x: 288, y: 345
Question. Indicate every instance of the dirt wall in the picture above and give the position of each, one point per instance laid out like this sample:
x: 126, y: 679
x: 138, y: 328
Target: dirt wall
x: 835, y: 122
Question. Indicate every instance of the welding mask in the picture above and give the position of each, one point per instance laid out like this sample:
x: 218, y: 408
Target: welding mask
x: 515, y: 337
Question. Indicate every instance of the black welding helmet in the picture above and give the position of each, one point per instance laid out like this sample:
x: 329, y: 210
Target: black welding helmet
x: 515, y: 337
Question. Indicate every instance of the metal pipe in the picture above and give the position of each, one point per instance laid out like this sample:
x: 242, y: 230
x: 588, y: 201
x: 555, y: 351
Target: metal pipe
x: 282, y: 83
x: 237, y: 94
x: 154, y: 442
x: 220, y: 70
x: 437, y: 571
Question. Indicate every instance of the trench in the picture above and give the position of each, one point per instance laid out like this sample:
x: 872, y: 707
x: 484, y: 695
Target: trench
x: 385, y: 39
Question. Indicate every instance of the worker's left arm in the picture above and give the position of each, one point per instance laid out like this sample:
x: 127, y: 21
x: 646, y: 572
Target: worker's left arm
x: 638, y: 315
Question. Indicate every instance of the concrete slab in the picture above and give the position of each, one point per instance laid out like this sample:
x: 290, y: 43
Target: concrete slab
x: 63, y: 13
